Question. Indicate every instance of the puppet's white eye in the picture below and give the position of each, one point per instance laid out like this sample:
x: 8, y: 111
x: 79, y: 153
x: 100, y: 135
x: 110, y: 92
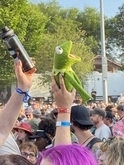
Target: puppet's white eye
x: 59, y: 50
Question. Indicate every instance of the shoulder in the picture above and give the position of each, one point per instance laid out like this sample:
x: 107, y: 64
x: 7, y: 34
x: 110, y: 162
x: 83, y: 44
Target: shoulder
x: 96, y: 142
x: 96, y: 149
x: 104, y: 126
x: 34, y: 120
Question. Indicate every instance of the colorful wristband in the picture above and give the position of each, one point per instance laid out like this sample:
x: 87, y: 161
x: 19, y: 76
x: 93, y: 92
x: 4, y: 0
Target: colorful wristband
x: 64, y: 110
x: 63, y: 123
x: 25, y: 98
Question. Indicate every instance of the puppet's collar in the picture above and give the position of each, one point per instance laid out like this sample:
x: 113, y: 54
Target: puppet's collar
x: 62, y: 71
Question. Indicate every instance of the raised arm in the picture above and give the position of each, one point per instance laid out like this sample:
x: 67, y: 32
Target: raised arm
x: 11, y: 111
x: 64, y: 100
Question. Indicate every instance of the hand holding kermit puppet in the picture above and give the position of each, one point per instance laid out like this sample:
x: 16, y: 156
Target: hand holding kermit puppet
x: 62, y: 63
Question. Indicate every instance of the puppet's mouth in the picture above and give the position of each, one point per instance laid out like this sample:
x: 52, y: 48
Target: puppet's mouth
x: 72, y: 56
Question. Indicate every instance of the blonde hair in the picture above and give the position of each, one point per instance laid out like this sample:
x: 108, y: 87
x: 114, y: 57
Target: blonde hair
x: 30, y: 146
x: 115, y: 153
x: 105, y: 145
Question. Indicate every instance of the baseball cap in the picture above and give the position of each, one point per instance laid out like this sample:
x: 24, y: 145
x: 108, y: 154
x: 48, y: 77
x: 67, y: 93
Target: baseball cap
x: 81, y: 115
x: 36, y: 112
x: 109, y: 115
x: 40, y: 134
x: 99, y: 111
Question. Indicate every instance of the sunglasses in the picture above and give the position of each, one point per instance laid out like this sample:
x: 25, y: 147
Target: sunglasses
x: 28, y: 115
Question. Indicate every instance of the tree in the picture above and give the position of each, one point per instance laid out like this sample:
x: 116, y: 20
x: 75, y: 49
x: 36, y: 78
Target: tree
x: 28, y: 23
x: 89, y: 20
x: 45, y: 60
x: 115, y: 33
x: 119, y: 26
x: 10, y: 12
x: 61, y: 27
x: 41, y: 27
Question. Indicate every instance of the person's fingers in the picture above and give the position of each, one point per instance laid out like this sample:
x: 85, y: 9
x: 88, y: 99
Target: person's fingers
x: 32, y: 58
x: 34, y: 62
x: 73, y: 92
x: 33, y: 70
x: 19, y: 66
x: 62, y: 84
x: 54, y: 85
x: 15, y: 65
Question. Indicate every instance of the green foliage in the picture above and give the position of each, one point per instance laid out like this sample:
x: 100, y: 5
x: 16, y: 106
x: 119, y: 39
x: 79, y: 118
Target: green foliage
x: 45, y: 60
x: 62, y: 27
x: 28, y: 23
x: 115, y: 34
x: 41, y: 27
x: 119, y: 26
x: 90, y: 22
x: 34, y: 30
x: 10, y: 12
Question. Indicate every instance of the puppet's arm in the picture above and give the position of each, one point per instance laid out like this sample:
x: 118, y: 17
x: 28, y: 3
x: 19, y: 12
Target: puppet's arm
x: 77, y: 85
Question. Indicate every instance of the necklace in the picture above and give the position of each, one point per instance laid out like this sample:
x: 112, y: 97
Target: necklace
x: 87, y: 139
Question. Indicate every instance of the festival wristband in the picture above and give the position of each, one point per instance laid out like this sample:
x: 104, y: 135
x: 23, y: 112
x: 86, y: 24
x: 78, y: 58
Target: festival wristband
x: 64, y: 110
x: 25, y: 98
x: 63, y: 123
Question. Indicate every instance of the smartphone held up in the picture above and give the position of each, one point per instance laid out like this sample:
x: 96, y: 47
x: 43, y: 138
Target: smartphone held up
x: 16, y: 49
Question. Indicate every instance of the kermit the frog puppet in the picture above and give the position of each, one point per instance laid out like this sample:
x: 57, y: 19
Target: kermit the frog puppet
x: 62, y: 63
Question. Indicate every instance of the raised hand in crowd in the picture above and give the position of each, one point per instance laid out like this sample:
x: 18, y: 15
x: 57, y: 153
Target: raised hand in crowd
x: 11, y: 110
x: 64, y: 100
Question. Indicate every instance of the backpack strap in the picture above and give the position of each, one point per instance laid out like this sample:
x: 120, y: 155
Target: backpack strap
x: 92, y: 142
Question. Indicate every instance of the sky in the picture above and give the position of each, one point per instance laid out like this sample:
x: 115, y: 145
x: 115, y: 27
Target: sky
x: 110, y: 6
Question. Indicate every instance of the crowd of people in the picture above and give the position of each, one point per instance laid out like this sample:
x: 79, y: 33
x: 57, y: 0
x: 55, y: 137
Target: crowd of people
x: 64, y: 133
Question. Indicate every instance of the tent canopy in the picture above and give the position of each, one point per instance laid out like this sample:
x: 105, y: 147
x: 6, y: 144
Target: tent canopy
x: 39, y: 89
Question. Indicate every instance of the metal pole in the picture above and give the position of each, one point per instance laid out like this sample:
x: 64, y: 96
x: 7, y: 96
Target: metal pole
x: 104, y: 59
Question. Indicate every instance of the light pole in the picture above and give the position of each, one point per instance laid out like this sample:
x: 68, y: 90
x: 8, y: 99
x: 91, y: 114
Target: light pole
x: 104, y: 59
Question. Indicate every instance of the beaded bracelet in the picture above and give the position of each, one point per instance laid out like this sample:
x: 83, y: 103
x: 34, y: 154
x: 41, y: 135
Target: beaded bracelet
x: 25, y: 98
x: 63, y: 123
